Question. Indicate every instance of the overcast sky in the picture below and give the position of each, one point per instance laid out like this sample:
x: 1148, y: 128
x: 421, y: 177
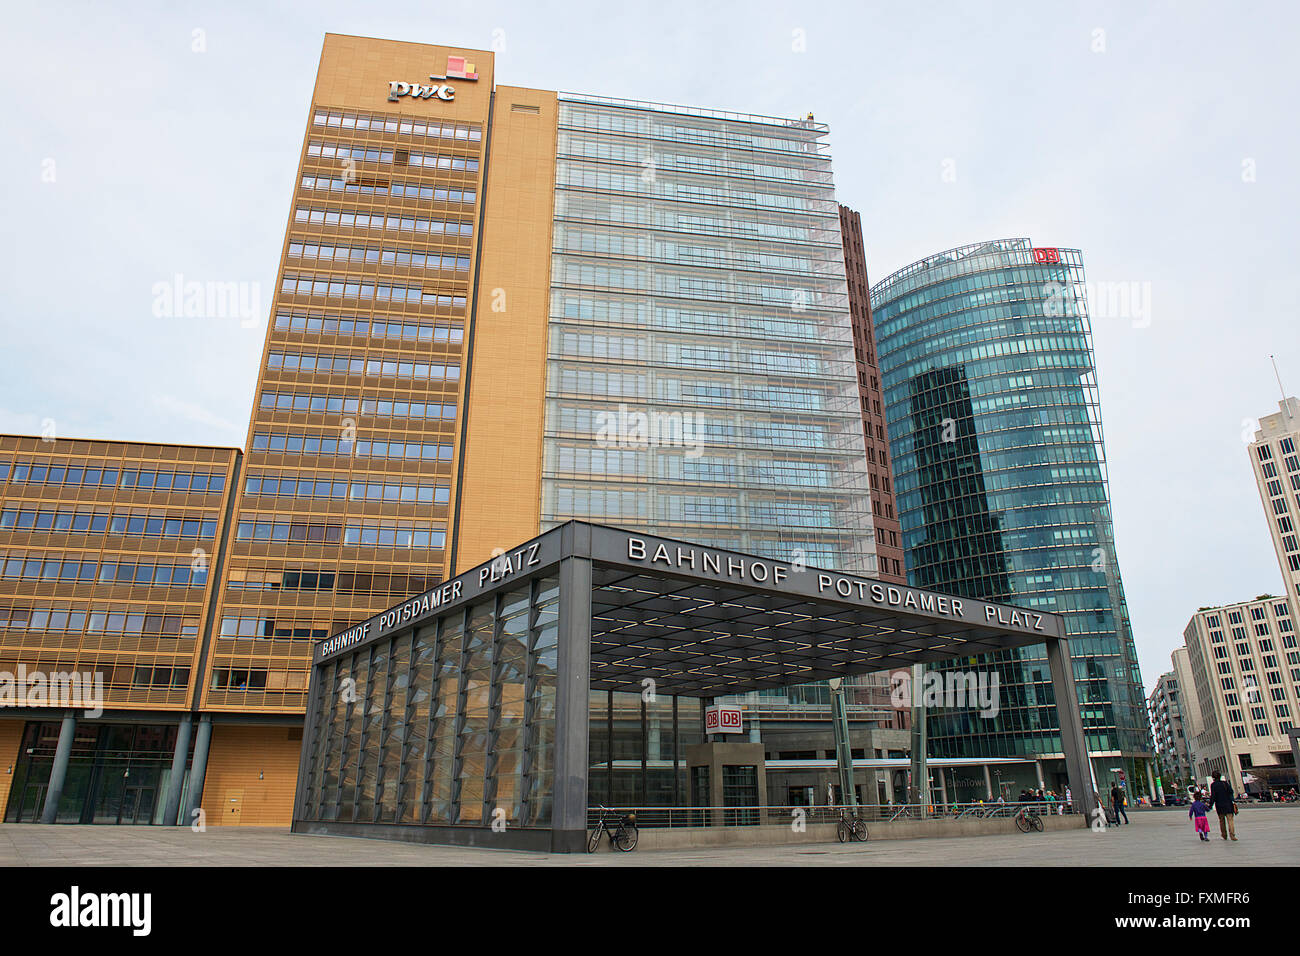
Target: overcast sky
x: 1160, y: 138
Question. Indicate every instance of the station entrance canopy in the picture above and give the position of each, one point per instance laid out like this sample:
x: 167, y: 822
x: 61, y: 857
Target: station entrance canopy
x: 468, y: 704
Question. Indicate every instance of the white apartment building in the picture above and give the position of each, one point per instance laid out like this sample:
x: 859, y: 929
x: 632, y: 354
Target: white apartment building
x: 1245, y: 666
x: 1276, y: 463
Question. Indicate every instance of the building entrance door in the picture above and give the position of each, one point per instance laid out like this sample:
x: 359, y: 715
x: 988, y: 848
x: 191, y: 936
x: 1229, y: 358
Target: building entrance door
x: 234, y: 803
x: 137, y: 805
x: 31, y: 803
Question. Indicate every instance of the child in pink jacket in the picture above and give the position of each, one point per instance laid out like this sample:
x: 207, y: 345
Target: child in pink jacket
x: 1198, y: 813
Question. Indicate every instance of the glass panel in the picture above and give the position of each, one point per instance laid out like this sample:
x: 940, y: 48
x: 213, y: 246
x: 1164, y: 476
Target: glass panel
x: 391, y: 744
x: 446, y: 690
x: 475, y: 705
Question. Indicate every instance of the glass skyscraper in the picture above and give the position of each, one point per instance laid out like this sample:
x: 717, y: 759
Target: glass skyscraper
x: 701, y: 379
x: 1001, y: 485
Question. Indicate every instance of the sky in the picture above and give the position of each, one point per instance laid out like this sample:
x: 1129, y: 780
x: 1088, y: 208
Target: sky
x: 150, y: 141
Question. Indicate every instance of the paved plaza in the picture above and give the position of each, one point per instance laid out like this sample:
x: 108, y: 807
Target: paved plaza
x: 1269, y: 836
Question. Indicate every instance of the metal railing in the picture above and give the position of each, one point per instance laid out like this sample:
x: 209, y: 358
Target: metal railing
x: 648, y: 817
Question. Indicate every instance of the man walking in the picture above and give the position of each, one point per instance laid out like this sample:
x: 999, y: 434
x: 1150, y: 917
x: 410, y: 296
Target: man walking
x: 1224, y: 806
x: 1117, y: 802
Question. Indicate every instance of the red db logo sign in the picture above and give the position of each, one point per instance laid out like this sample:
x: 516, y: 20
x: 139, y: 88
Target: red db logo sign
x: 1047, y: 255
x: 722, y: 719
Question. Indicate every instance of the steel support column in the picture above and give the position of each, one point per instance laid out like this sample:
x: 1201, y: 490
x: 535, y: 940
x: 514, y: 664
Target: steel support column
x: 572, y: 718
x: 920, y: 793
x: 59, y: 772
x: 198, y: 770
x: 173, y: 805
x: 1073, y: 744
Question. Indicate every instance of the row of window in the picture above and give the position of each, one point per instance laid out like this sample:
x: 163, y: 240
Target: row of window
x: 387, y: 154
x: 388, y: 123
x: 577, y: 174
x: 103, y: 621
x: 326, y: 216
x: 317, y: 322
x: 107, y: 572
x: 295, y: 284
x: 355, y: 365
x: 1274, y: 485
x: 401, y: 534
x: 711, y: 162
x: 379, y: 584
x: 678, y: 129
x: 1265, y: 452
x: 388, y: 257
x: 317, y: 445
x: 1235, y: 617
x: 246, y: 679
x: 243, y: 626
x: 398, y: 189
x: 119, y: 522
x: 161, y: 677
x: 339, y: 405
x: 1292, y: 465
x: 281, y: 580
x: 721, y: 509
x: 47, y: 474
x: 287, y: 486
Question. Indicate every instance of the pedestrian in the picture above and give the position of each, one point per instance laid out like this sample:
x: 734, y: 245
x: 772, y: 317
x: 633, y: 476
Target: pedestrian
x: 1199, y: 813
x: 1224, y: 806
x: 1117, y: 802
x: 1069, y: 798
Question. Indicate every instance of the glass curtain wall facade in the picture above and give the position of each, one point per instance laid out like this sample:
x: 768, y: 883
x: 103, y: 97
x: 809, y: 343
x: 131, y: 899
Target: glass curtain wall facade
x: 1001, y: 486
x: 701, y: 381
x: 444, y: 724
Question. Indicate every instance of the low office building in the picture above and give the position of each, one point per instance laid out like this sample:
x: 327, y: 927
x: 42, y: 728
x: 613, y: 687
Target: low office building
x: 106, y: 553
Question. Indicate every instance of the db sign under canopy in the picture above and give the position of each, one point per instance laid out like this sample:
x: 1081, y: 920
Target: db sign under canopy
x: 722, y: 719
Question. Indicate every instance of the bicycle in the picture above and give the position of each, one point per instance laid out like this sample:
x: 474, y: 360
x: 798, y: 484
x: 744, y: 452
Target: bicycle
x: 1027, y: 819
x: 850, y: 827
x: 623, y: 836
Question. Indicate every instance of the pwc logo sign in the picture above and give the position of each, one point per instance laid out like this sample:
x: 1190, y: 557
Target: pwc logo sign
x: 722, y: 719
x: 457, y: 69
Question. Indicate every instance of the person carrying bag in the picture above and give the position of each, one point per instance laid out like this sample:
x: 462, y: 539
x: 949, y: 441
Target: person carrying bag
x: 1224, y: 806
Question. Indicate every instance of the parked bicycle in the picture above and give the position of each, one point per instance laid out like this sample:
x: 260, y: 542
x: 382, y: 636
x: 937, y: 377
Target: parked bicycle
x: 851, y: 826
x: 1027, y: 819
x: 622, y: 835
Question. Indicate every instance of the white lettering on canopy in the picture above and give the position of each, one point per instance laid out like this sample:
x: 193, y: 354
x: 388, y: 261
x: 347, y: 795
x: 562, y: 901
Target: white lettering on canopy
x: 759, y: 571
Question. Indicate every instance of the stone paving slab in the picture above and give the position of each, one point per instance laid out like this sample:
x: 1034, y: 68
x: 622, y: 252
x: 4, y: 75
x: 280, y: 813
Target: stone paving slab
x: 1268, y: 836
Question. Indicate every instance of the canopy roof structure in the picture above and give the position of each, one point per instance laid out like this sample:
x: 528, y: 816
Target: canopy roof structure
x: 705, y: 622
x: 585, y: 607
